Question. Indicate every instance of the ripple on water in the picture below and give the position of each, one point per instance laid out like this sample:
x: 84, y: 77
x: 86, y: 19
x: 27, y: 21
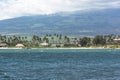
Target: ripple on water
x: 60, y: 65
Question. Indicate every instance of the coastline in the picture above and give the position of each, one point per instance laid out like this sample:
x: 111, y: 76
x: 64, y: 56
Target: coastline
x: 76, y: 48
x: 89, y: 48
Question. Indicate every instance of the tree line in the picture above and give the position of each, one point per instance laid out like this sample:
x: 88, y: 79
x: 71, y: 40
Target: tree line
x: 68, y: 41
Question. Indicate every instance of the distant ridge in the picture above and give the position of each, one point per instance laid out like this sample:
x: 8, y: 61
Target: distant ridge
x: 77, y: 23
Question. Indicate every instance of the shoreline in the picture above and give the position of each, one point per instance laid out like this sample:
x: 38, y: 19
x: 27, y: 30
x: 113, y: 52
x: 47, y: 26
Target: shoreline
x: 67, y: 48
x: 79, y: 48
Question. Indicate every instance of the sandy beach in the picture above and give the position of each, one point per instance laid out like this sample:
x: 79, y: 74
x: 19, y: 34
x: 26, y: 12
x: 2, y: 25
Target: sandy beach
x: 63, y: 48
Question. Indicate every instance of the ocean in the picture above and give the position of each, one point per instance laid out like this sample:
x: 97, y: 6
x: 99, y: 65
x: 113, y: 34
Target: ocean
x: 60, y: 64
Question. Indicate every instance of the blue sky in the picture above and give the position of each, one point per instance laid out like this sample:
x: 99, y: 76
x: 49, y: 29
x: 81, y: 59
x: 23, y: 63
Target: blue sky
x: 17, y: 8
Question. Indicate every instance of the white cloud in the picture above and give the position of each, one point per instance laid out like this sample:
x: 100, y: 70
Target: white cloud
x: 16, y: 8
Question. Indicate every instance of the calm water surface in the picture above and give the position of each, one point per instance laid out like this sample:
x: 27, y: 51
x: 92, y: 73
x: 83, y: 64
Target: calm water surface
x: 43, y: 64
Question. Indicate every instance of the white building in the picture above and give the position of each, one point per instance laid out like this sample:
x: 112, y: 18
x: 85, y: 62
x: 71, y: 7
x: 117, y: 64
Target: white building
x: 20, y: 46
x: 44, y: 44
x: 117, y: 40
x: 3, y: 45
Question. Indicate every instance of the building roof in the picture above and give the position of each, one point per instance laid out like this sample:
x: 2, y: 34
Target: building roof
x: 117, y: 39
x: 44, y: 44
x: 3, y: 44
x: 19, y: 45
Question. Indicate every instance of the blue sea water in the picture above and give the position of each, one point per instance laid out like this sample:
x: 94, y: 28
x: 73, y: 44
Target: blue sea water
x: 64, y: 64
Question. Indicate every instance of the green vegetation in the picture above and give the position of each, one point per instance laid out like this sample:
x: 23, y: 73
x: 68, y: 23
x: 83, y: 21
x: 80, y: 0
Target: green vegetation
x: 58, y: 40
x: 99, y: 40
x: 85, y: 41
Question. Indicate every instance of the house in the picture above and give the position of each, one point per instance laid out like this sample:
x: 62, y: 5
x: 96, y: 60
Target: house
x: 3, y: 45
x: 20, y: 46
x: 57, y: 45
x: 44, y: 44
x: 116, y: 40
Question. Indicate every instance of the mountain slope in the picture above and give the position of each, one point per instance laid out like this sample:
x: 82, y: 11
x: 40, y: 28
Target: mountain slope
x: 77, y: 23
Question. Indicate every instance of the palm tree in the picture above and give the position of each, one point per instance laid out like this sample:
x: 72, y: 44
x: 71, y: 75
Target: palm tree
x: 65, y: 39
x: 60, y: 38
x: 52, y: 39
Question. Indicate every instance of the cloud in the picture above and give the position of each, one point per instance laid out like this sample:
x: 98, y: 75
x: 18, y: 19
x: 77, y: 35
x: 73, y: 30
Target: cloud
x: 16, y: 8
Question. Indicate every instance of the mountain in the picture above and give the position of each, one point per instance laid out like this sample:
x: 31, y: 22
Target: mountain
x: 76, y: 23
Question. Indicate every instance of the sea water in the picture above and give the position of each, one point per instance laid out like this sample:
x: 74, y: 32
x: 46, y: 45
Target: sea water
x: 60, y: 64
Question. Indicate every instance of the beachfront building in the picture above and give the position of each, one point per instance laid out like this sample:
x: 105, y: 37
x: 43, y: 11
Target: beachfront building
x: 3, y: 45
x: 44, y: 44
x: 57, y: 45
x: 116, y: 40
x: 20, y: 45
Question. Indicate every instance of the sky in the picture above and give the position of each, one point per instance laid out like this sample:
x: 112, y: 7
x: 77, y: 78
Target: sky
x: 17, y: 8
